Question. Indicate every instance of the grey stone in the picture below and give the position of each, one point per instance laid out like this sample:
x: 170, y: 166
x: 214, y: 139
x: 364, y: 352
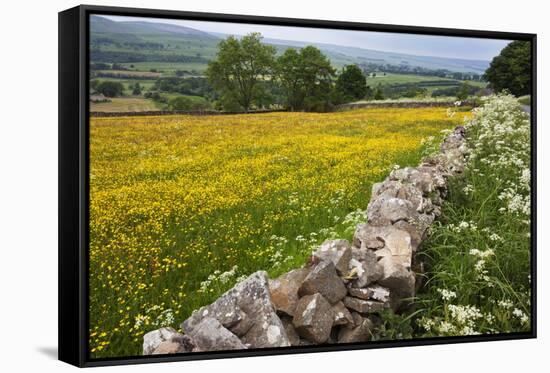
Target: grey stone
x: 397, y: 242
x: 382, y: 253
x: 341, y: 314
x: 417, y: 229
x: 247, y: 310
x: 336, y: 251
x: 210, y: 335
x: 313, y: 318
x: 402, y: 190
x: 373, y: 292
x: 385, y: 210
x: 169, y: 347
x: 153, y: 339
x: 323, y: 279
x: 359, y: 331
x: 364, y: 306
x: 426, y: 178
x: 379, y: 293
x: 397, y: 278
x: 374, y: 244
x: 366, y: 271
x: 359, y: 254
x: 284, y: 290
x: 291, y: 333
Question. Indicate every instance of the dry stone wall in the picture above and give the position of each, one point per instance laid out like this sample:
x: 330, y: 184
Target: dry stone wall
x: 336, y: 297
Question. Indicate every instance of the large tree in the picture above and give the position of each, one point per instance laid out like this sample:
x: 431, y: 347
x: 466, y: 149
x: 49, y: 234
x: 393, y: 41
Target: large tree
x: 511, y: 69
x: 238, y: 68
x: 351, y: 83
x: 306, y: 78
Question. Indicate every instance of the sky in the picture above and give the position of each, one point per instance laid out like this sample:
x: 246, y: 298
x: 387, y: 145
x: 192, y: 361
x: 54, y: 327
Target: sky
x: 421, y: 45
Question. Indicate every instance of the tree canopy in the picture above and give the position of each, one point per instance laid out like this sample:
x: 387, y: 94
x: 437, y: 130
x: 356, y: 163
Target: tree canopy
x: 239, y: 66
x: 511, y: 69
x: 306, y: 78
x: 352, y: 83
x: 108, y: 88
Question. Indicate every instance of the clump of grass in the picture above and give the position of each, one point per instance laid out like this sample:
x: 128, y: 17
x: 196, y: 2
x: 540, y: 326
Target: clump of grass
x: 478, y: 253
x: 525, y: 100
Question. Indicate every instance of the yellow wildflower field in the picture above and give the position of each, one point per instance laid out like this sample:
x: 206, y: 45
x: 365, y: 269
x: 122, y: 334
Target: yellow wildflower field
x: 181, y: 207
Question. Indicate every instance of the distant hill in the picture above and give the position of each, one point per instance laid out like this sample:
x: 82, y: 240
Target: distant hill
x: 104, y: 25
x: 133, y: 37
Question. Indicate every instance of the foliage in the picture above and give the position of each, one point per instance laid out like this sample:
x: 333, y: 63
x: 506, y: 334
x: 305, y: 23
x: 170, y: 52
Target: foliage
x: 525, y: 100
x: 109, y: 88
x: 186, y: 103
x: 463, y: 92
x: 195, y: 86
x: 239, y: 66
x: 478, y: 254
x: 351, y: 83
x: 379, y: 93
x: 306, y: 79
x: 136, y: 89
x: 511, y: 69
x: 183, y: 206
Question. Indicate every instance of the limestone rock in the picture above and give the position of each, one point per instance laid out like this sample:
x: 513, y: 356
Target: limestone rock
x: 367, y: 271
x: 210, y: 335
x: 364, y: 306
x: 153, y: 339
x: 359, y: 331
x: 284, y: 290
x: 358, y: 254
x: 291, y: 333
x: 402, y: 190
x: 336, y: 251
x: 397, y: 242
x: 426, y: 178
x: 373, y: 292
x: 341, y: 314
x: 384, y: 210
x: 397, y: 278
x: 323, y: 279
x: 168, y: 347
x: 313, y: 318
x: 246, y: 311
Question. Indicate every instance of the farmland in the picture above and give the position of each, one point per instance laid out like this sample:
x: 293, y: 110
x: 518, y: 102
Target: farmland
x: 181, y: 207
x: 170, y: 61
x: 124, y: 104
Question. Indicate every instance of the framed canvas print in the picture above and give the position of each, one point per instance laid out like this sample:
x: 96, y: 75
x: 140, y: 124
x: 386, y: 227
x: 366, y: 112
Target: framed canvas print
x: 233, y: 186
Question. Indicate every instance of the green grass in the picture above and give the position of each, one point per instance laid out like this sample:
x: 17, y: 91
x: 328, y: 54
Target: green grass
x: 167, y: 67
x: 431, y: 83
x: 525, y: 100
x: 478, y: 253
x: 145, y: 84
x: 393, y: 79
x: 125, y: 104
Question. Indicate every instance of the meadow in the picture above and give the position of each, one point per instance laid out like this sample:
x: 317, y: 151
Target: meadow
x: 182, y: 207
x: 124, y: 104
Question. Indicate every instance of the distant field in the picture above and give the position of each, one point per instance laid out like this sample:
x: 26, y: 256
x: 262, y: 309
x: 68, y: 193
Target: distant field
x: 131, y: 74
x: 396, y: 79
x: 145, y: 84
x: 119, y: 104
x: 392, y: 79
x: 167, y: 67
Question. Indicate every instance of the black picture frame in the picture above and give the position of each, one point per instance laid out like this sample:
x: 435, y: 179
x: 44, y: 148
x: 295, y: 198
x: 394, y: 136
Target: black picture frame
x: 74, y: 181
